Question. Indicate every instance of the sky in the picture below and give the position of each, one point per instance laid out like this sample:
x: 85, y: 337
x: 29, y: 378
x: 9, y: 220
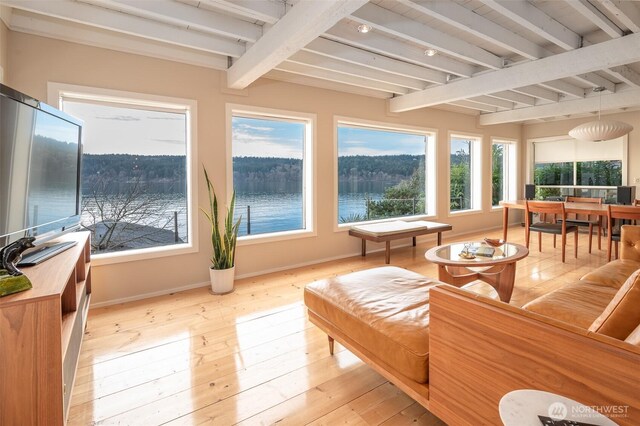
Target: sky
x: 254, y: 137
x: 358, y: 141
x: 119, y: 130
x: 459, y: 145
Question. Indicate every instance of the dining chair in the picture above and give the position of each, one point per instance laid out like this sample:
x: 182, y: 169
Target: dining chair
x: 555, y: 228
x: 590, y: 220
x: 618, y: 212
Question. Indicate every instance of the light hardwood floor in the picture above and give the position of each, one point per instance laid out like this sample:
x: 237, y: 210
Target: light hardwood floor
x: 252, y: 357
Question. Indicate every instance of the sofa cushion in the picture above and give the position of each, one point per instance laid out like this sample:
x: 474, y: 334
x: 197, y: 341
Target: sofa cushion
x: 634, y: 337
x: 385, y: 310
x: 622, y: 315
x: 613, y: 274
x: 578, y: 303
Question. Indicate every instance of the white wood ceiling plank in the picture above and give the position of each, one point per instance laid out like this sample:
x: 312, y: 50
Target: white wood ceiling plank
x: 128, y: 24
x: 183, y: 15
x: 473, y: 105
x: 538, y: 92
x: 261, y: 10
x: 621, y: 99
x: 514, y: 97
x: 325, y: 84
x: 564, y: 88
x: 46, y: 26
x: 397, y: 25
x: 488, y: 100
x: 532, y: 18
x: 466, y: 20
x: 625, y: 74
x: 608, y: 54
x: 592, y: 13
x: 323, y: 74
x: 594, y: 80
x: 336, y: 65
x: 385, y: 45
x: 357, y: 56
x: 304, y: 22
x: 627, y: 12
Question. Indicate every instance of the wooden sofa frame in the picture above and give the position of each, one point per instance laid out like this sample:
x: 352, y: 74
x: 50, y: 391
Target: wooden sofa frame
x: 481, y: 349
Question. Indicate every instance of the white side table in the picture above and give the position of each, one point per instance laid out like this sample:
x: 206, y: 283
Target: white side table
x: 522, y: 408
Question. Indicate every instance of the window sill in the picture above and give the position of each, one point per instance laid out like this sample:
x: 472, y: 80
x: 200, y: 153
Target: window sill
x: 343, y: 227
x: 465, y: 213
x: 275, y: 236
x: 497, y: 208
x: 141, y: 254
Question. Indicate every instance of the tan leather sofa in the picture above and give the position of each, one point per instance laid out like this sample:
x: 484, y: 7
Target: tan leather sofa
x: 458, y: 353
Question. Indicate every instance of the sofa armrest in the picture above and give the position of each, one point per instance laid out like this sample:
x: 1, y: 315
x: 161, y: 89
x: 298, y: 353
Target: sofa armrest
x: 481, y: 349
x: 630, y: 242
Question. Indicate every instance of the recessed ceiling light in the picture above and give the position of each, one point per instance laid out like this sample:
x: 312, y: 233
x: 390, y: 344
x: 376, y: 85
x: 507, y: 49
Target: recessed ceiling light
x: 430, y: 52
x: 364, y: 28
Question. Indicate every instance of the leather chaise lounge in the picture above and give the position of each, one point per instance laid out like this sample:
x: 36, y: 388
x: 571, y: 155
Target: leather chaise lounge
x: 457, y: 353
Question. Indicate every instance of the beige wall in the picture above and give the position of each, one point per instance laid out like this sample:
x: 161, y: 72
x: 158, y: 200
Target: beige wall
x: 558, y: 128
x: 34, y: 61
x: 4, y: 41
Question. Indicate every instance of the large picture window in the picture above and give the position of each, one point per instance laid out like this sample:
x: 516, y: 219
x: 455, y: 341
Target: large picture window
x: 271, y: 155
x: 464, y: 173
x: 383, y: 172
x: 503, y: 171
x: 135, y: 171
x: 571, y: 167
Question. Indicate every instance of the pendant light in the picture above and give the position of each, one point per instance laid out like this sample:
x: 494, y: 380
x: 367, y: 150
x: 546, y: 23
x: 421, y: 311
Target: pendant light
x: 600, y: 130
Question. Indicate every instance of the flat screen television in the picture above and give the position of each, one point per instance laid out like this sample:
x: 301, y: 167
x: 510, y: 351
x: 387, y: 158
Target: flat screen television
x: 40, y: 154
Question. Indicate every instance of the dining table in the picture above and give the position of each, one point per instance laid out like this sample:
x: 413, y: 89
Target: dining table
x: 571, y: 207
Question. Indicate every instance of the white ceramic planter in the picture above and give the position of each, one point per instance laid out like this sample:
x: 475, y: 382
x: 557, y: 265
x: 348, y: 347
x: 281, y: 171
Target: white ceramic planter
x: 222, y: 280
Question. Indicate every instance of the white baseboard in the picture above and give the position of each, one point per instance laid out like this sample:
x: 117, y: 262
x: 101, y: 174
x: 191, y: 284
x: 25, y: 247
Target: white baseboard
x: 269, y: 271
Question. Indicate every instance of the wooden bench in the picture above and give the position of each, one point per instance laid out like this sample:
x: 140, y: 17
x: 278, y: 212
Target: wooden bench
x: 389, y: 231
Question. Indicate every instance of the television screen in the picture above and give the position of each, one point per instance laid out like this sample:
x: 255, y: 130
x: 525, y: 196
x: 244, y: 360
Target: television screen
x: 40, y: 150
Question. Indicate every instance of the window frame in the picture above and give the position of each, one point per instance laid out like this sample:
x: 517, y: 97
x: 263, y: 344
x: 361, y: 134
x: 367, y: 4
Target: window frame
x: 308, y: 165
x: 431, y: 174
x: 477, y: 142
x: 511, y: 192
x: 56, y: 92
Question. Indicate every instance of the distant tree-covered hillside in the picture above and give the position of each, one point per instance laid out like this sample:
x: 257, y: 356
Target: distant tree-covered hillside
x: 381, y: 167
x: 266, y: 168
x: 126, y: 167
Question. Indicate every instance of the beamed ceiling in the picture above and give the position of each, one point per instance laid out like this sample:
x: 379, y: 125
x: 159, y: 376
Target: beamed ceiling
x: 507, y: 61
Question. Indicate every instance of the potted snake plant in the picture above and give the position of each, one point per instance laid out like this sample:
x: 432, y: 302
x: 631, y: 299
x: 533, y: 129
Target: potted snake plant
x: 223, y: 242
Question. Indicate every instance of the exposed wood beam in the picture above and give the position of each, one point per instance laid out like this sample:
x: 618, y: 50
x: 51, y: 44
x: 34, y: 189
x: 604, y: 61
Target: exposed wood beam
x: 592, y: 13
x: 261, y: 10
x: 514, y: 97
x: 626, y: 11
x: 128, y: 24
x: 386, y: 45
x: 466, y: 20
x: 190, y: 17
x: 324, y: 74
x: 538, y: 92
x: 357, y: 56
x: 564, y: 87
x: 625, y: 74
x: 527, y: 15
x: 607, y: 54
x: 336, y: 65
x: 622, y: 99
x: 399, y: 26
x: 46, y: 26
x: 303, y: 23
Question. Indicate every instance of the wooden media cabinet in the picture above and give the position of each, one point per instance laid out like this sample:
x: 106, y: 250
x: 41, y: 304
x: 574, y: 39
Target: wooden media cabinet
x: 41, y: 331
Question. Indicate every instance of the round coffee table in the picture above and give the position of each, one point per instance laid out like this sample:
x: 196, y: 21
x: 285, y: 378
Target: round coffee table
x: 497, y: 270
